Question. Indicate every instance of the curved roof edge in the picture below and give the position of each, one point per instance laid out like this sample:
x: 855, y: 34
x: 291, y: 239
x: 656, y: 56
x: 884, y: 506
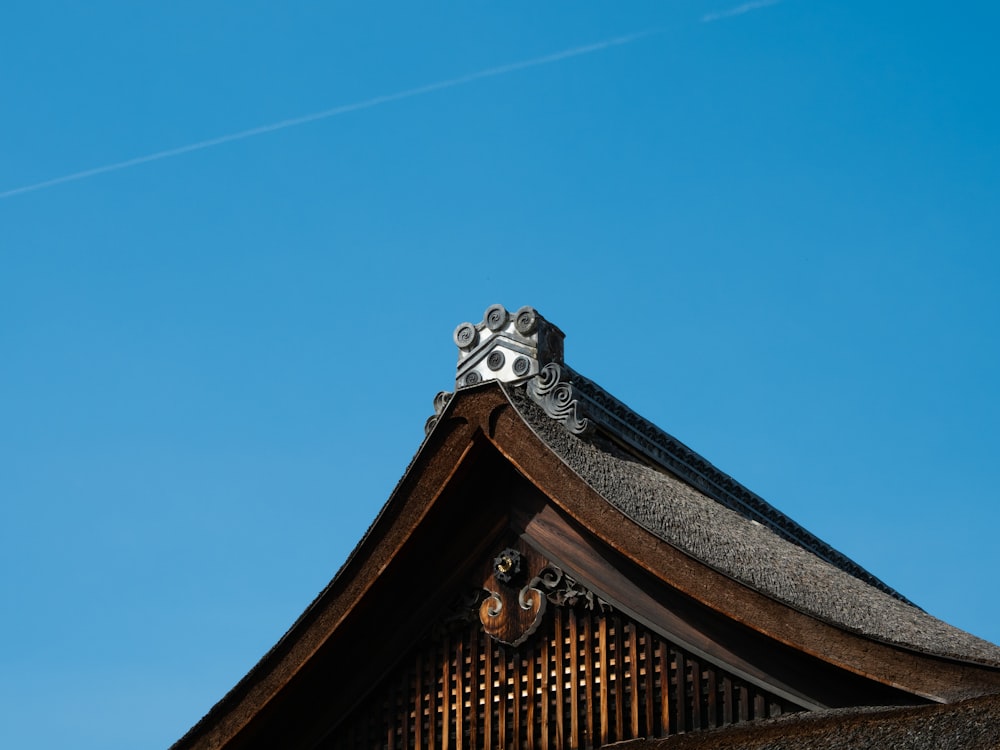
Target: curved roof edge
x: 739, y: 545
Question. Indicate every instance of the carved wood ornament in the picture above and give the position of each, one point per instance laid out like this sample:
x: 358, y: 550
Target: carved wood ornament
x: 515, y: 602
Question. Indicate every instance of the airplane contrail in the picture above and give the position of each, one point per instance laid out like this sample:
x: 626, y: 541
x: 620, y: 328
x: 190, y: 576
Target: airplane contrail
x: 739, y: 10
x: 335, y: 111
x: 373, y: 102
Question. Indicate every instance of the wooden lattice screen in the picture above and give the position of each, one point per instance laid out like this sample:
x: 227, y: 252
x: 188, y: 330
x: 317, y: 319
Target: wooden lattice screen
x: 584, y: 680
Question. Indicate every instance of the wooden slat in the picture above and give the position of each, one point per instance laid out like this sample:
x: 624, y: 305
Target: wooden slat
x: 665, y: 727
x: 647, y: 662
x: 713, y: 720
x: 388, y: 722
x: 633, y: 671
x: 604, y: 668
x: 488, y: 694
x: 727, y: 700
x: 758, y: 705
x: 517, y: 701
x: 574, y: 684
x: 560, y: 677
x: 459, y: 693
x: 432, y: 700
x: 695, y: 693
x: 418, y: 702
x: 544, y: 669
x: 529, y: 718
x: 744, y: 704
x: 619, y: 681
x: 503, y: 694
x: 588, y: 676
x: 474, y: 685
x: 681, y: 693
x: 403, y: 713
x: 445, y: 694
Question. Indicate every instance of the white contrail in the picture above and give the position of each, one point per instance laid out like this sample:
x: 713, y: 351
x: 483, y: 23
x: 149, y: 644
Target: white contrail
x: 739, y: 10
x: 335, y: 111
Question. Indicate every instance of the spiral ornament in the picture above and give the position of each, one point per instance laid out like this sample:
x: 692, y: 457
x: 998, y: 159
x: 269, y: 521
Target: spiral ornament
x: 466, y: 336
x: 495, y: 360
x: 558, y: 398
x: 473, y: 378
x: 521, y: 366
x: 546, y: 379
x: 496, y: 317
x: 526, y: 320
x: 441, y: 401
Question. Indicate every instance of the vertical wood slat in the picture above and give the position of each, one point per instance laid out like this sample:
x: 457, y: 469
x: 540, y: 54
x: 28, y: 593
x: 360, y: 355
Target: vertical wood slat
x: 543, y: 672
x: 758, y: 705
x: 633, y: 653
x: 445, y: 694
x: 432, y: 703
x: 713, y: 720
x: 418, y: 702
x: 487, y: 694
x: 516, y: 707
x: 560, y: 678
x: 665, y: 726
x: 727, y: 701
x: 619, y: 682
x: 574, y: 685
x: 529, y: 718
x: 474, y: 683
x: 403, y: 712
x: 647, y: 661
x: 459, y: 659
x: 503, y: 696
x: 682, y: 714
x: 588, y: 675
x: 603, y: 666
x: 744, y: 704
x: 388, y: 724
x: 695, y: 693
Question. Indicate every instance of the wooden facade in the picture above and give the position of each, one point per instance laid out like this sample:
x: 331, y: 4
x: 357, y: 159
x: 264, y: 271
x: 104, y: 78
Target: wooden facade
x: 502, y: 601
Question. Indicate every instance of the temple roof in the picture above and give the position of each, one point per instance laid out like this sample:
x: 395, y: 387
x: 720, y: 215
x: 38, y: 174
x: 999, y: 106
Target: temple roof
x: 747, y: 550
x: 669, y: 489
x: 527, y: 451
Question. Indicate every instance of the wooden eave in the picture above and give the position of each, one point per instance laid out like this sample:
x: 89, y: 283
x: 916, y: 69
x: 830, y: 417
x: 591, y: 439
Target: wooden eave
x: 482, y: 473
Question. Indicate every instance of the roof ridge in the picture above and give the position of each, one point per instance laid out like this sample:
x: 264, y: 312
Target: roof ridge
x: 524, y: 349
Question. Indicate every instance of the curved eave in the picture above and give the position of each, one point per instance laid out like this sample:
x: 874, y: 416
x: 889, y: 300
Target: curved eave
x: 936, y: 676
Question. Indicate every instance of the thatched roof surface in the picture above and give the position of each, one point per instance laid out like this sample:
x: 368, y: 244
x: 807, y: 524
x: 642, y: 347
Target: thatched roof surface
x: 748, y: 551
x: 969, y: 725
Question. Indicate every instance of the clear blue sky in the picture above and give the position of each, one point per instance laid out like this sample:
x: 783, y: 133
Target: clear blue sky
x: 775, y: 233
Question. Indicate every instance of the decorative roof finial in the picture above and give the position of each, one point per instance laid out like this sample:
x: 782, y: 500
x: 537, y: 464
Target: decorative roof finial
x: 505, y: 347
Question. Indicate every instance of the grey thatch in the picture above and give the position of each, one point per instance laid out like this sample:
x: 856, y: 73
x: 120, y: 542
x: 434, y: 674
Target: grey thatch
x: 747, y: 551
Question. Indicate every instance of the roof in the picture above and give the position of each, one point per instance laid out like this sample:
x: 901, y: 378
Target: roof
x: 747, y: 550
x: 635, y: 516
x: 968, y: 725
x: 670, y: 490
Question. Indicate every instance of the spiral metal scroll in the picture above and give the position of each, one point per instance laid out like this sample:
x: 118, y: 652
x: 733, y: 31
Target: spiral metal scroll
x: 440, y: 403
x: 558, y: 398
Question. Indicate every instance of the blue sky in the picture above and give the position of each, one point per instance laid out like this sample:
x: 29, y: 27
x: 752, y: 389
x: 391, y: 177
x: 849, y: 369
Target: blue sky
x: 773, y: 232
